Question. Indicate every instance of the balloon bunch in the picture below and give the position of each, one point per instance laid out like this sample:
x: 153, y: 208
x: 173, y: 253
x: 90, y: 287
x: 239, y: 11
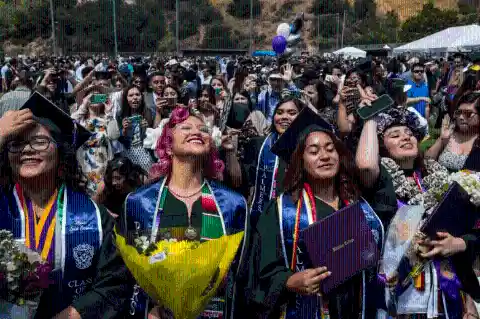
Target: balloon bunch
x: 288, y: 36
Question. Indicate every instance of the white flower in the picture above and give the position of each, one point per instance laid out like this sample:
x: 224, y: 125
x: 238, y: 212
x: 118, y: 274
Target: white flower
x: 11, y: 266
x: 216, y: 136
x: 153, y: 134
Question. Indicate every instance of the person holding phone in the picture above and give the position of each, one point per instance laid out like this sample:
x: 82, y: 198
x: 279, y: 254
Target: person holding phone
x: 134, y: 118
x: 156, y: 85
x: 223, y: 100
x: 94, y: 155
x: 391, y: 142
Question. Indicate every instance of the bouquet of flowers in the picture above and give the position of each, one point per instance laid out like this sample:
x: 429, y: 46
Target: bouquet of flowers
x: 23, y: 277
x: 181, y: 276
x: 404, y: 231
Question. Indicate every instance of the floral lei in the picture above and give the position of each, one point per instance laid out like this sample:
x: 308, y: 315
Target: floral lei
x: 435, y: 180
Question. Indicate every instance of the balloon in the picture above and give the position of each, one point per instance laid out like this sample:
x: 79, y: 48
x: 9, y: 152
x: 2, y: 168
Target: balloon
x: 279, y: 43
x: 283, y: 29
x: 297, y: 23
x: 293, y: 39
x: 288, y: 52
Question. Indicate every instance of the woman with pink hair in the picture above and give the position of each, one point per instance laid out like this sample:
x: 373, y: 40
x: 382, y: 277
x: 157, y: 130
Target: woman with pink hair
x: 184, y: 202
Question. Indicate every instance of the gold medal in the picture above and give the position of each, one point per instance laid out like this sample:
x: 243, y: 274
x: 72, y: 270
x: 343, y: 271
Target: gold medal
x: 190, y: 233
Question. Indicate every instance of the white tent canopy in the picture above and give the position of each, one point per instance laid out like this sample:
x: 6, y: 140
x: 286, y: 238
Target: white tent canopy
x: 351, y: 52
x: 465, y: 37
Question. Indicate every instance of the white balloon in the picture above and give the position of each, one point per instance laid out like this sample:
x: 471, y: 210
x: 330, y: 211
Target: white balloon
x: 283, y: 29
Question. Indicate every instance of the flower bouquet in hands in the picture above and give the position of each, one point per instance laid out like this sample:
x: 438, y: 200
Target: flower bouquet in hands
x: 180, y: 276
x: 23, y: 277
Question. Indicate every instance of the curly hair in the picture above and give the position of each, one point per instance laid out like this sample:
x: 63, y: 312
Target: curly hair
x: 69, y: 171
x: 213, y: 166
x: 345, y: 181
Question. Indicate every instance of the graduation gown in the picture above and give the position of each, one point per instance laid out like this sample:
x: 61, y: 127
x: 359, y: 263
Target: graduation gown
x: 140, y: 209
x: 264, y: 171
x: 90, y: 274
x: 261, y: 280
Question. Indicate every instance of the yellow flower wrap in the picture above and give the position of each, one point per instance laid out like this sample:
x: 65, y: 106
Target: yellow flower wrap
x: 189, y: 276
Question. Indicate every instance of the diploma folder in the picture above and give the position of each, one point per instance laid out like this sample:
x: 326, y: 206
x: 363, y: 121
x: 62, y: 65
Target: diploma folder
x: 455, y: 214
x: 344, y: 243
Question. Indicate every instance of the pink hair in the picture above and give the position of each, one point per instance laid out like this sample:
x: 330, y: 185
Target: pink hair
x: 213, y: 167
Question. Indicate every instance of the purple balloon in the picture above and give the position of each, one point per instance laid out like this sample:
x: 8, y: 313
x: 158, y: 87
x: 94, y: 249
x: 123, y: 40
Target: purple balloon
x: 279, y: 44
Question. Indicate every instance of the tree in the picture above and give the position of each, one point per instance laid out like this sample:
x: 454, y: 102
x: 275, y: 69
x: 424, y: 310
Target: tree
x: 379, y: 30
x: 429, y: 20
x: 241, y: 8
x: 219, y: 36
x: 329, y: 6
x: 365, y: 8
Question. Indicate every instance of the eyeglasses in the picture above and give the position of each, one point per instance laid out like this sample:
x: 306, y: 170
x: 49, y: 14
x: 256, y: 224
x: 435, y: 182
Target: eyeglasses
x: 418, y: 71
x: 39, y: 143
x: 466, y: 113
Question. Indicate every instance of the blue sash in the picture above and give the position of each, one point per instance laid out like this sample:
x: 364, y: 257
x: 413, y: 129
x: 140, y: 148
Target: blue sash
x: 264, y: 179
x: 141, y: 210
x: 309, y: 306
x: 78, y: 237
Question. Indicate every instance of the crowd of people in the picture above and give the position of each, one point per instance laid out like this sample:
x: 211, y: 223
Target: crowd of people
x: 93, y: 147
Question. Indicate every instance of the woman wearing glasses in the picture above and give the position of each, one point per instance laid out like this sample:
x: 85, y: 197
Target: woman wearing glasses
x: 43, y: 204
x: 458, y: 147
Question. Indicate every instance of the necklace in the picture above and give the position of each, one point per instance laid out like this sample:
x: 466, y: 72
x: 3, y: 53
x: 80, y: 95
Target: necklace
x: 190, y: 233
x: 186, y: 196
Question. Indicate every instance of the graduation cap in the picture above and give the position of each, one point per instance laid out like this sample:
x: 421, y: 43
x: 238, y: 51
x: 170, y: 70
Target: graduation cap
x: 57, y: 121
x: 306, y: 122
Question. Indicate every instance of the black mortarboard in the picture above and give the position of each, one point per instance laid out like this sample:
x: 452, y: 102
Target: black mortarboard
x: 57, y: 121
x: 306, y: 122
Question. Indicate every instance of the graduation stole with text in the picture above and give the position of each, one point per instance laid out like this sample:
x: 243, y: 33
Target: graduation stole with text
x: 40, y: 232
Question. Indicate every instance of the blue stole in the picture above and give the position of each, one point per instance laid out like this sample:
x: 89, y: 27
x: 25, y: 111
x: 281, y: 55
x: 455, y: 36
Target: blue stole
x: 306, y: 307
x: 264, y: 180
x: 78, y: 238
x: 141, y: 208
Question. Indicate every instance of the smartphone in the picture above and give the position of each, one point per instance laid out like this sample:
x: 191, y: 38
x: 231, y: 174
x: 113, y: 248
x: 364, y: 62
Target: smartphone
x: 218, y: 91
x: 98, y: 98
x: 171, y: 101
x: 381, y: 104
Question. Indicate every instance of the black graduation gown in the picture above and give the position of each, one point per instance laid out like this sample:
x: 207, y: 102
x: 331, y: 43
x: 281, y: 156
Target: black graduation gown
x: 108, y: 293
x: 261, y: 281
